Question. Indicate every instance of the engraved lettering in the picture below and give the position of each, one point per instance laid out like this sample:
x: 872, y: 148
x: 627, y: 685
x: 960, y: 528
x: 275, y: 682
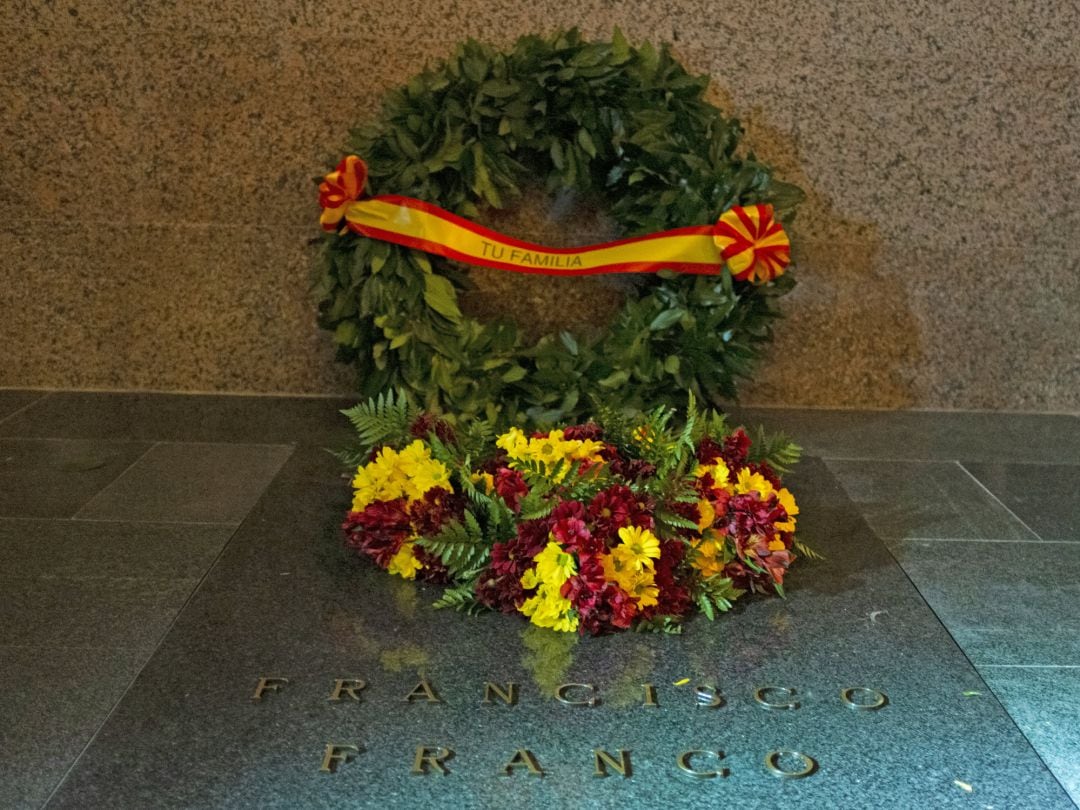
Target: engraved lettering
x: 337, y: 753
x: 763, y: 693
x: 523, y: 756
x: 507, y: 696
x: 687, y: 767
x: 863, y: 698
x: 563, y: 688
x: 270, y: 684
x: 347, y: 686
x: 650, y: 695
x: 433, y: 756
x: 602, y: 760
x: 423, y: 691
x: 789, y: 764
x: 708, y: 698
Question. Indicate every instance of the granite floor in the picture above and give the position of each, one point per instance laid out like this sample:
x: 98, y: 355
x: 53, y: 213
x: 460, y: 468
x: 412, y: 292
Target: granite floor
x: 129, y: 522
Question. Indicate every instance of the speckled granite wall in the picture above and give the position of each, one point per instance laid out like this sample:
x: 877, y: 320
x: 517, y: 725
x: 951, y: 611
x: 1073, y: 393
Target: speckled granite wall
x: 155, y: 195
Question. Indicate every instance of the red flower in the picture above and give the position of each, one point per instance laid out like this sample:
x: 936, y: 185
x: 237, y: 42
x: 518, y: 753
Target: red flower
x: 587, y: 432
x: 427, y: 423
x: 736, y: 449
x: 511, y: 487
x: 438, y: 506
x: 379, y: 530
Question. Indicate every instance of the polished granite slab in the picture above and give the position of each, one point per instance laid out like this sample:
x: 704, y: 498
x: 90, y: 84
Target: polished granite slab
x: 183, y: 417
x: 1045, y: 703
x: 54, y: 478
x: 989, y: 436
x: 189, y: 483
x: 918, y: 499
x: 286, y: 601
x: 1046, y: 497
x: 13, y: 400
x: 1004, y: 603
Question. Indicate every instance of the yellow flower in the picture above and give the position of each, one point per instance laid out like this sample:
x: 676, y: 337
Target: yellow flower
x: 409, y: 474
x: 719, y: 471
x: 643, y: 589
x: 514, y: 443
x: 404, y: 563
x: 554, y: 566
x: 709, y: 557
x: 641, y: 543
x: 752, y: 482
x: 708, y: 514
x: 488, y: 480
x: 787, y: 500
x: 776, y: 544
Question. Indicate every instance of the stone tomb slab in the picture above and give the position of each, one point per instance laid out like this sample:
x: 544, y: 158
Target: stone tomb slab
x: 286, y: 601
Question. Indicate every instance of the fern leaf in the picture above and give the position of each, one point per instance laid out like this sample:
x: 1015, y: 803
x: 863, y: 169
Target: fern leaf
x: 384, y: 419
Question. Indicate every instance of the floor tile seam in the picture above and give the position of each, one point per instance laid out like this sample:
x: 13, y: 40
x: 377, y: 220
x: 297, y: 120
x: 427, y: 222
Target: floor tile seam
x: 1029, y: 666
x: 146, y: 440
x: 44, y: 395
x: 7, y: 578
x: 997, y: 500
x: 142, y: 667
x: 965, y: 459
x: 101, y: 439
x: 1035, y: 541
x: 99, y: 521
x: 109, y: 485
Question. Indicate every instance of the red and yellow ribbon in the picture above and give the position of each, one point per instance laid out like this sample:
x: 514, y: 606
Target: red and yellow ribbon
x: 749, y: 240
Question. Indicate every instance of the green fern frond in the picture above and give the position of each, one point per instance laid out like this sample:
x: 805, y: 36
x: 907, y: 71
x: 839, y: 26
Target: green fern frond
x: 460, y: 546
x: 808, y: 552
x: 776, y: 450
x: 384, y: 419
x: 461, y: 598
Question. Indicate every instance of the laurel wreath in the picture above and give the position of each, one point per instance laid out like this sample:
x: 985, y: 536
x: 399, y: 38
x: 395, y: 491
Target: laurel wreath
x: 625, y: 126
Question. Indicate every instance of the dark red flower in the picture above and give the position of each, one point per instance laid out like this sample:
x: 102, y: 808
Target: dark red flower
x: 611, y: 509
x: 736, y: 449
x: 427, y: 423
x: 429, y: 514
x: 587, y: 432
x: 510, y: 486
x: 379, y: 530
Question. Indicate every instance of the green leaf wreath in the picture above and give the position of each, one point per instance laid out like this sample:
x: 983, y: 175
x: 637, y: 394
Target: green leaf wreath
x: 626, y: 126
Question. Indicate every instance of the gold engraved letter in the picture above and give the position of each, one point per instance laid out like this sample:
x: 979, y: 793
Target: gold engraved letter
x: 430, y: 756
x: 762, y: 693
x: 795, y: 764
x: 650, y: 695
x: 708, y: 698
x: 267, y: 685
x: 348, y: 686
x: 422, y: 690
x: 336, y: 752
x: 523, y: 756
x: 683, y: 761
x: 560, y: 694
x: 602, y: 759
x: 868, y: 699
x: 508, y: 696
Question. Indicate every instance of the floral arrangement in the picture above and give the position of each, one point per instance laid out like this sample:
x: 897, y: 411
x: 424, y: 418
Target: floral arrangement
x: 618, y: 523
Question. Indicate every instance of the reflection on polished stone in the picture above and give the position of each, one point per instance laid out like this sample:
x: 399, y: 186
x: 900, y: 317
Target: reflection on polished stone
x: 773, y: 703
